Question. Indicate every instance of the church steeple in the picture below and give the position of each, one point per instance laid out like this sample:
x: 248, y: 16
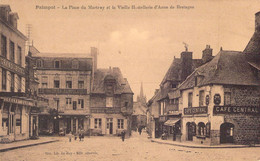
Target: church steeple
x: 141, y: 98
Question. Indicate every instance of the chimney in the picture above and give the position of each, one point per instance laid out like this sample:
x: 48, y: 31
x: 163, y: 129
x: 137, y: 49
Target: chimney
x: 94, y: 53
x: 186, y: 64
x: 207, y: 54
x: 257, y: 22
x: 13, y: 17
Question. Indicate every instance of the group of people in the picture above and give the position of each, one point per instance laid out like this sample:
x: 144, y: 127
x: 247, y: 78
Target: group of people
x: 81, y: 135
x: 76, y: 135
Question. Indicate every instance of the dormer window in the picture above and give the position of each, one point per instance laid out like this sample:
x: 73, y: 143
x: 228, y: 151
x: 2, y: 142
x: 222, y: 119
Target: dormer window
x: 198, y: 79
x: 174, y: 85
x: 75, y: 64
x: 57, y: 64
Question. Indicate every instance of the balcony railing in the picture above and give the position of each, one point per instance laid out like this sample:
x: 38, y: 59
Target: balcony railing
x: 107, y: 110
x: 62, y: 91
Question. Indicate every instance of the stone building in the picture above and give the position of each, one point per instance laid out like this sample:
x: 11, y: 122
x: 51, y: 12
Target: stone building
x: 66, y: 83
x: 220, y: 102
x: 15, y: 105
x: 168, y: 97
x: 111, y: 103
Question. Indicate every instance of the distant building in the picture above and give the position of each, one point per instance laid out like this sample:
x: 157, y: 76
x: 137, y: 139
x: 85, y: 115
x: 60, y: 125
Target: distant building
x: 15, y: 104
x: 153, y: 115
x: 66, y: 82
x: 111, y: 105
x: 139, y: 118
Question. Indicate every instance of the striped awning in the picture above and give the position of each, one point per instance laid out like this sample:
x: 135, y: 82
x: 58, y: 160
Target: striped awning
x: 171, y: 122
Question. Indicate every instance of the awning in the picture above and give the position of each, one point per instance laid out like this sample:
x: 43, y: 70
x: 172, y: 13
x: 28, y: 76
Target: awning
x: 171, y: 122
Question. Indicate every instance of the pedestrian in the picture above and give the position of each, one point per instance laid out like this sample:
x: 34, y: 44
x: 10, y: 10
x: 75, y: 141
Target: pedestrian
x: 70, y: 136
x: 75, y: 136
x: 123, y: 135
x: 81, y: 134
x: 140, y: 130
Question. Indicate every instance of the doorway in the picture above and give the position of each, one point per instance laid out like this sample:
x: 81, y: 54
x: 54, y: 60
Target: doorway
x: 109, y: 126
x: 68, y: 121
x: 226, y: 133
x: 189, y: 128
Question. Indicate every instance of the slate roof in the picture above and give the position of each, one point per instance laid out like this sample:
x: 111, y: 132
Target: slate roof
x: 227, y: 68
x: 154, y: 98
x: 174, y: 72
x: 122, y: 85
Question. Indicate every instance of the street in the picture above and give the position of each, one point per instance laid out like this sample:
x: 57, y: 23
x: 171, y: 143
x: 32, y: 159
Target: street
x: 136, y: 148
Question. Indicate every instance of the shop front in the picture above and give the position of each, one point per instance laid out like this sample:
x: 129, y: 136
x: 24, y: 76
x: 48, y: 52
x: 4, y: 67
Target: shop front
x: 14, y: 118
x: 173, y: 129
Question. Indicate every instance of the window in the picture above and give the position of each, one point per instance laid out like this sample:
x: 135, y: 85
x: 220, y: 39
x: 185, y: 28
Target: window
x: 109, y: 101
x: 68, y: 102
x: 11, y: 48
x: 75, y: 64
x: 190, y: 99
x: 56, y: 84
x: 56, y: 103
x: 3, y: 79
x: 97, y: 123
x: 44, y: 82
x: 39, y: 63
x: 57, y: 64
x: 126, y: 104
x: 120, y: 123
x: 81, y: 103
x: 80, y: 84
x: 74, y: 105
x: 174, y: 85
x: 227, y: 98
x: 68, y: 84
x: 201, y: 129
x: 19, y: 55
x: 3, y: 46
x: 12, y: 82
x: 18, y: 120
x: 201, y: 98
x: 19, y: 83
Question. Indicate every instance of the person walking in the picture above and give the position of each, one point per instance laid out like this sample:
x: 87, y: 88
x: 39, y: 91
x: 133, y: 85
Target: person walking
x: 123, y: 135
x: 140, y: 130
x: 70, y: 136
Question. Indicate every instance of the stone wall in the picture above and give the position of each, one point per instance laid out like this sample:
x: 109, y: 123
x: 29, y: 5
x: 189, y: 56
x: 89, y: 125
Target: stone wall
x: 246, y: 128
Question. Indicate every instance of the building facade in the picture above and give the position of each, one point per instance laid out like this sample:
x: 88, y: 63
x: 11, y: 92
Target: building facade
x: 15, y: 105
x: 66, y: 83
x: 111, y: 105
x: 169, y: 121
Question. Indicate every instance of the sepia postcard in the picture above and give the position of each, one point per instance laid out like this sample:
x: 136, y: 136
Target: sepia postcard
x: 129, y: 80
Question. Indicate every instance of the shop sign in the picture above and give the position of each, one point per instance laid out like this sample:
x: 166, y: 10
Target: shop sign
x: 17, y: 101
x: 11, y: 66
x: 196, y: 110
x: 251, y: 110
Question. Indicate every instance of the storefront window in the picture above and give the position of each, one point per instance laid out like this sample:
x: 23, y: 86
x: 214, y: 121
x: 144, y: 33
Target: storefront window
x: 201, y: 129
x: 193, y: 125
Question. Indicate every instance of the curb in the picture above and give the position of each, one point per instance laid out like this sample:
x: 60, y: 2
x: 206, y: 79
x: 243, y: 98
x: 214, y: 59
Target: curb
x: 206, y: 147
x: 24, y: 146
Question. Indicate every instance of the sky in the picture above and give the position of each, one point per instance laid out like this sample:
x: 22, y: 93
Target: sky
x: 141, y: 42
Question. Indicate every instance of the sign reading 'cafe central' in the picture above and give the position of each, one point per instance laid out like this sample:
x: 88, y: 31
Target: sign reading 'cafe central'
x: 236, y: 110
